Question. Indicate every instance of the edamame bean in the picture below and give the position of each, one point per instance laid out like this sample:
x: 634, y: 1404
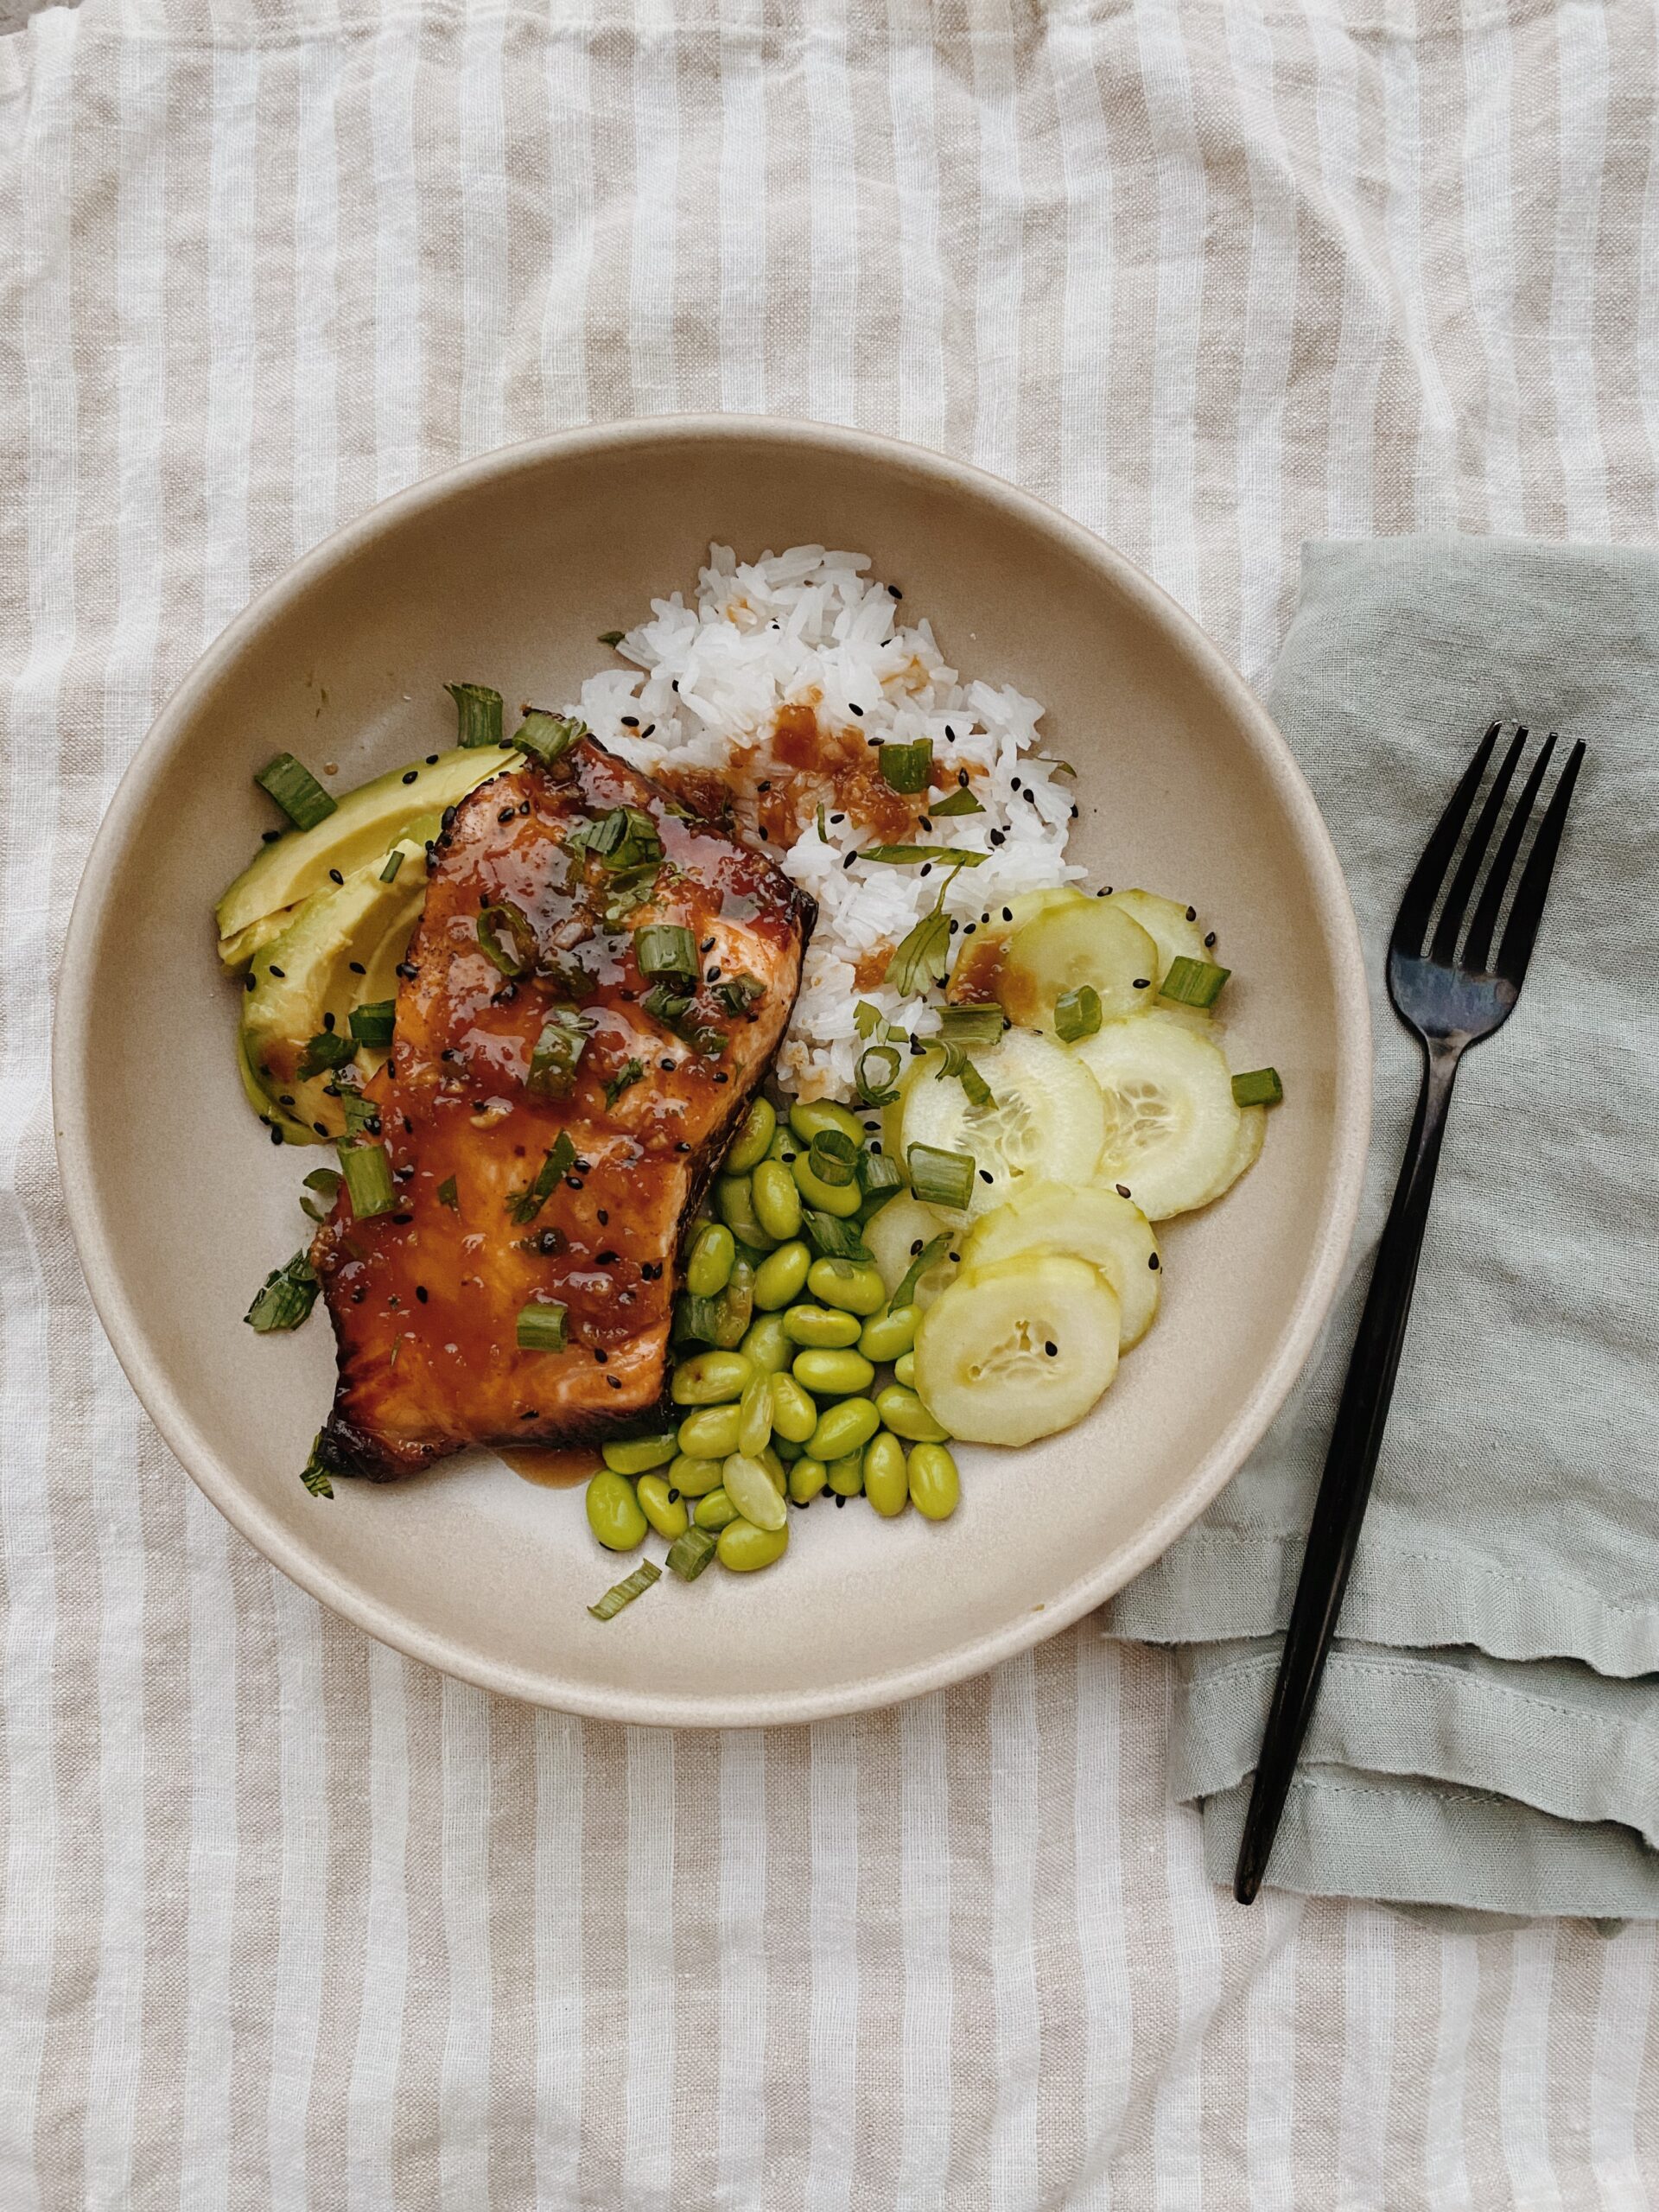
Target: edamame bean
x: 833, y: 1374
x: 710, y: 1378
x: 614, y: 1512
x: 842, y: 1283
x: 806, y: 1480
x: 638, y: 1455
x: 745, y: 1549
x: 708, y: 1266
x: 694, y: 1477
x: 842, y: 1429
x: 774, y: 1467
x: 793, y: 1413
x: 781, y: 1275
x: 904, y: 1370
x: 768, y: 1344
x: 885, y: 1484
x: 889, y: 1335
x: 906, y: 1416
x: 710, y: 1433
x: 808, y: 1117
x: 735, y: 1306
x: 776, y: 1202
x: 666, y: 1514
x: 846, y: 1475
x: 754, y: 1430
x: 935, y: 1486
x: 785, y: 1451
x: 734, y: 1204
x: 748, y: 1147
x: 821, y: 1326
x: 843, y: 1199
x: 714, y: 1511
x: 785, y: 1144
x: 752, y: 1490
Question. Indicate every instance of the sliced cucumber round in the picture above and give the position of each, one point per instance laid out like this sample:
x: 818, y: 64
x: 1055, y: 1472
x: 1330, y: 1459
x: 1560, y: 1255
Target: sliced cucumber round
x: 1045, y: 1118
x: 1110, y: 1233
x: 1171, y: 1122
x: 1019, y: 1349
x: 896, y: 1234
x: 1085, y: 941
x: 979, y: 958
x: 1172, y: 929
x: 1247, y: 1149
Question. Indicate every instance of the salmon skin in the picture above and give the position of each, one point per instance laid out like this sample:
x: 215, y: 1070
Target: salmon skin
x: 520, y: 1180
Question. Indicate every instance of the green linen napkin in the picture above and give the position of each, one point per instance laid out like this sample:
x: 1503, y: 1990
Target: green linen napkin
x: 1486, y: 1736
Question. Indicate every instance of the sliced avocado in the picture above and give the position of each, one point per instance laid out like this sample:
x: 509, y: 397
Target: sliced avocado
x: 273, y: 1116
x: 235, y: 952
x: 364, y: 823
x: 307, y: 973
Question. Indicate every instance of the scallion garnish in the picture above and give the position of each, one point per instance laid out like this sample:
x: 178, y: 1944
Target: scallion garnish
x: 394, y: 861
x: 447, y: 1195
x: 325, y: 1052
x: 833, y: 1158
x: 372, y: 1023
x: 623, y: 1593
x: 688, y: 1555
x: 878, y: 1173
x: 325, y: 1183
x: 627, y: 1075
x: 556, y: 1052
x: 665, y: 949
x: 611, y: 637
x: 834, y: 1239
x: 628, y: 889
x: 623, y: 837
x: 876, y: 1075
x: 525, y: 1205
x: 737, y: 994
x: 362, y: 1114
x: 368, y: 1179
x: 478, y: 712
x: 284, y: 1299
x: 507, y: 938
x: 823, y: 835
x: 907, y: 855
x: 960, y: 802
x: 1077, y: 1014
x: 957, y: 1064
x: 550, y: 737
x: 1260, y: 1087
x: 941, y: 1179
x: 671, y: 1007
x: 297, y: 790
x: 314, y: 1474
x: 932, y: 1251
x: 1194, y: 982
x: 907, y: 767
x: 977, y: 1025
x: 697, y: 1320
x: 540, y: 1326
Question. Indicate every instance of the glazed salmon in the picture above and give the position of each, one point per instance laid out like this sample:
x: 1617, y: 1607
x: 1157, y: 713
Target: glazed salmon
x: 552, y: 1113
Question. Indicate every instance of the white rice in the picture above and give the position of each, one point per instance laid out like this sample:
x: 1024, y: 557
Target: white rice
x: 809, y: 625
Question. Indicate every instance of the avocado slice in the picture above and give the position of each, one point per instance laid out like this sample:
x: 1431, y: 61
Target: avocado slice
x: 308, y: 972
x: 364, y: 824
x: 273, y: 1117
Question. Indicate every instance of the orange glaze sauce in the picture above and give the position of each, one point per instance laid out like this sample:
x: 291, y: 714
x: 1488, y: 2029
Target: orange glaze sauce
x: 551, y: 1469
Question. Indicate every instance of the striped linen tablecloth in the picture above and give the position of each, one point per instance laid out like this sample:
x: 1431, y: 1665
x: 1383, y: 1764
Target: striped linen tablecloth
x: 287, y: 1921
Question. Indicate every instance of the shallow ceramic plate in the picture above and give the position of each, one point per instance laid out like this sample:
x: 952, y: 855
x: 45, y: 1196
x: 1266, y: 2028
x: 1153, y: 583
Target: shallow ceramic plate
x: 504, y: 571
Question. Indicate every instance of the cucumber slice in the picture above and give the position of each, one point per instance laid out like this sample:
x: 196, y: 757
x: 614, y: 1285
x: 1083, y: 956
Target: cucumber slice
x: 1110, y: 1233
x: 1247, y: 1150
x: 1176, y: 936
x: 1045, y: 1118
x: 1019, y: 1349
x: 1171, y: 1122
x: 903, y: 1223
x: 1086, y: 941
x: 979, y: 958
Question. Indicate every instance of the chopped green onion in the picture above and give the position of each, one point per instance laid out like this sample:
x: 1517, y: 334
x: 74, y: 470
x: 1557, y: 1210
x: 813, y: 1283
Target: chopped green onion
x: 629, y: 888
x: 823, y: 835
x: 1063, y: 767
x: 833, y: 1158
x: 665, y: 949
x: 478, y: 713
x: 525, y: 1205
x: 907, y: 855
x: 325, y: 1183
x: 297, y: 790
x: 394, y: 861
x: 550, y: 737
x: 931, y: 1252
x: 956, y: 1062
x: 878, y: 1172
x: 372, y: 1023
x: 979, y: 1026
x: 611, y: 637
x: 941, y: 1179
x: 362, y: 1114
x: 368, y: 1179
x: 876, y: 1074
x: 1194, y: 982
x: 697, y: 1320
x: 540, y: 1326
x: 922, y: 958
x: 627, y: 1075
x: 1077, y: 1014
x: 447, y: 1194
x: 314, y: 1474
x: 623, y: 1593
x: 327, y: 1051
x: 670, y: 1008
x: 737, y: 994
x: 1261, y: 1087
x: 688, y: 1555
x: 960, y: 802
x: 557, y: 1051
x: 623, y: 837
x: 284, y: 1299
x: 834, y: 1239
x: 907, y: 767
x: 517, y: 956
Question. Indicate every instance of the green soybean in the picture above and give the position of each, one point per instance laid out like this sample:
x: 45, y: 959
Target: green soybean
x: 710, y: 1378
x: 793, y: 1413
x: 709, y: 1265
x: 834, y: 1373
x: 745, y: 1549
x: 638, y: 1455
x: 885, y: 1481
x: 842, y: 1283
x: 735, y: 1306
x: 767, y: 1343
x: 734, y: 1204
x: 806, y: 1480
x: 752, y: 1490
x: 711, y: 1432
x: 935, y: 1486
x: 774, y: 1467
x: 904, y: 1370
x: 666, y: 1514
x: 614, y: 1512
x: 748, y: 1147
x: 785, y: 1144
x: 889, y: 1334
x: 714, y: 1511
x: 755, y: 1431
x: 784, y: 1450
x: 821, y: 1326
x: 694, y: 1477
x: 809, y: 1117
x: 842, y: 1429
x: 781, y: 1275
x: 843, y: 1199
x: 776, y: 1202
x: 906, y: 1416
x: 846, y: 1475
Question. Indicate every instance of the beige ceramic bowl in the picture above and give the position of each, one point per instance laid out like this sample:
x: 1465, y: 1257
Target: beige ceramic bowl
x: 504, y: 571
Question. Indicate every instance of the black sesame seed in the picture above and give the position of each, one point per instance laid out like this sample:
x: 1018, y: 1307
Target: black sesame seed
x: 955, y: 926
x: 420, y: 1292
x: 968, y: 931
x: 280, y: 972
x: 851, y: 857
x: 606, y: 1259
x: 1030, y: 799
x: 650, y: 727
x: 357, y: 968
x: 270, y: 837
x: 1074, y: 814
x: 1143, y: 982
x: 604, y: 1219
x: 837, y: 817
x: 708, y: 945
x: 615, y: 1382
x: 1152, y: 1262
x: 402, y: 1219
x: 1123, y: 1190
x: 1191, y: 913
x: 1008, y: 913
x: 431, y: 760
x: 1013, y: 783
x: 276, y: 1138
x: 926, y: 824
x: 673, y: 1497
x: 893, y: 592
x: 926, y: 868
x: 411, y: 775
x: 409, y: 1127
x: 550, y: 1240
x: 506, y: 814
x: 1210, y: 941
x: 334, y: 876
x: 949, y: 734
x: 629, y: 722
x: 328, y: 1022
x: 840, y: 1501
x: 916, y: 1246
x: 713, y: 977
x: 251, y: 981
x: 680, y: 1145
x: 998, y: 837
x: 961, y: 779
x: 1053, y: 1351
x: 407, y: 970
x: 601, y: 1355
x: 721, y: 1076
x: 857, y: 710
x: 287, y: 1098
x: 321, y: 1128
x: 573, y: 1183
x: 984, y: 1174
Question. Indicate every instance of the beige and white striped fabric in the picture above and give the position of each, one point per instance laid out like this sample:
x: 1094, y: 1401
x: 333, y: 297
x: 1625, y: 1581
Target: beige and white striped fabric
x: 289, y: 1921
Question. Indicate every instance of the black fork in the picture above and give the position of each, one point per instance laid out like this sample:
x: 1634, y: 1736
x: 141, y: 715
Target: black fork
x: 1451, y: 992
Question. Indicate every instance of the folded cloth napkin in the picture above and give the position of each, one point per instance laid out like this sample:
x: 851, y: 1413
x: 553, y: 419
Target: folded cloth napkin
x: 1488, y: 1734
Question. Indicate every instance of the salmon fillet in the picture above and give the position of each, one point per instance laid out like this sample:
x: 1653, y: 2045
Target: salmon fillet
x: 520, y: 1180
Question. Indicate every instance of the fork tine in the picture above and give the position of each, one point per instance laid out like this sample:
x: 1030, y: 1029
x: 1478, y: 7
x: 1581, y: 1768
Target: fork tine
x: 1476, y: 953
x: 1528, y: 908
x: 1456, y: 909
x: 1411, y: 924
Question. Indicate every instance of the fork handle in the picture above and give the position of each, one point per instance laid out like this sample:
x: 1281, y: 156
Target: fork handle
x: 1351, y: 1461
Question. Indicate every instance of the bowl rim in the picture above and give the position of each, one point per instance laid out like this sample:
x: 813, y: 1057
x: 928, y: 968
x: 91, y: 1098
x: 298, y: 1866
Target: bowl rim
x: 72, y: 1052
